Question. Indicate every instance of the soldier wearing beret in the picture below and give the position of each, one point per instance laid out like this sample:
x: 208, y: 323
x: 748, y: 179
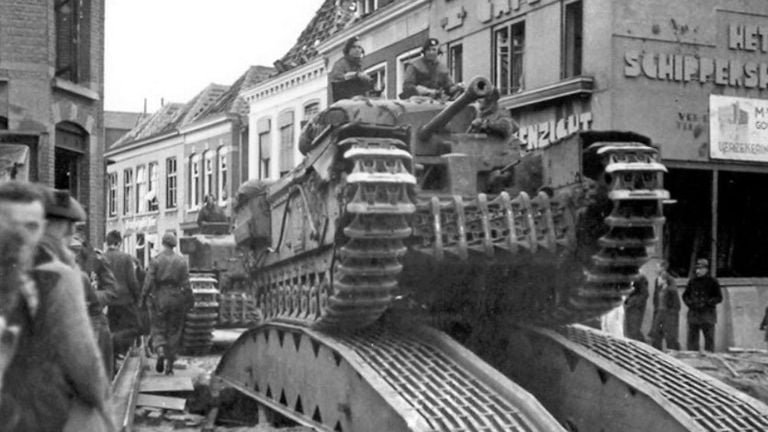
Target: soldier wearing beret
x: 427, y: 75
x: 167, y: 289
x: 347, y: 73
x: 702, y: 294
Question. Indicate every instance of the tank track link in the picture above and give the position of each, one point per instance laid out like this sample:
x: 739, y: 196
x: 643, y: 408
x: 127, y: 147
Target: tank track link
x: 503, y: 229
x: 363, y: 279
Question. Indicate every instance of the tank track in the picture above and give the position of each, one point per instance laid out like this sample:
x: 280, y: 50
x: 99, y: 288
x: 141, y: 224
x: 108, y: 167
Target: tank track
x: 503, y: 230
x: 201, y: 319
x: 362, y: 284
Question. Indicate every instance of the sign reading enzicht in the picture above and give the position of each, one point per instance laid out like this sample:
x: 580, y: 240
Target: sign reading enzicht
x: 738, y: 128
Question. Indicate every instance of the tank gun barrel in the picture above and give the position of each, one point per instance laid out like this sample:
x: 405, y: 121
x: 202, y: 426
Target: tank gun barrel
x: 478, y: 88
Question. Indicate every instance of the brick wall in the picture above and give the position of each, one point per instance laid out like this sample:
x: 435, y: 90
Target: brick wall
x: 32, y: 102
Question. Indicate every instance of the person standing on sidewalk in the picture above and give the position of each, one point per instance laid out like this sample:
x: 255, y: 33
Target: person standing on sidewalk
x: 124, y: 311
x: 666, y: 310
x: 634, y: 310
x: 702, y: 295
x: 168, y: 291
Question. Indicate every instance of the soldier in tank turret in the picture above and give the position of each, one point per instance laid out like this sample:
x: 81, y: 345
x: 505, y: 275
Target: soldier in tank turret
x: 427, y: 75
x: 347, y: 78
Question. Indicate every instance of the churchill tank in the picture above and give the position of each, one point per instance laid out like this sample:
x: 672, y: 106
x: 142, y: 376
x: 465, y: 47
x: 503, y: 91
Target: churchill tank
x: 396, y: 207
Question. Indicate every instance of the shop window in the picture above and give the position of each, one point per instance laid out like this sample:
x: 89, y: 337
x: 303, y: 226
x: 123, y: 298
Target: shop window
x: 455, y: 59
x: 171, y: 177
x: 141, y: 189
x: 112, y: 194
x: 285, y: 124
x: 509, y: 48
x: 222, y: 175
x: 72, y: 21
x: 152, y: 202
x: 402, y: 61
x: 572, y: 39
x: 688, y: 229
x: 127, y: 190
x: 208, y: 156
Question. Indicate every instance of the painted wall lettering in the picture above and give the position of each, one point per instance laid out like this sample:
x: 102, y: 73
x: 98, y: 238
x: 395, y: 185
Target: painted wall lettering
x: 543, y: 134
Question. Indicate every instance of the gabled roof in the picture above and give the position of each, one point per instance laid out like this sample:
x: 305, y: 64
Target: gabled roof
x: 172, y: 116
x: 230, y: 102
x: 333, y: 16
x: 122, y: 119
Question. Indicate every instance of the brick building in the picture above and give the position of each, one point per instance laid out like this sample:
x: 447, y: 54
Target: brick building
x: 51, y: 95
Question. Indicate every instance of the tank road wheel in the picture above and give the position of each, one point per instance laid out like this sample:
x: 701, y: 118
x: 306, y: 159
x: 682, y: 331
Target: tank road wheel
x: 201, y: 319
x: 378, y: 201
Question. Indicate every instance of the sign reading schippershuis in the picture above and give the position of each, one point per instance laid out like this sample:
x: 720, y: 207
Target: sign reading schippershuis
x: 738, y: 128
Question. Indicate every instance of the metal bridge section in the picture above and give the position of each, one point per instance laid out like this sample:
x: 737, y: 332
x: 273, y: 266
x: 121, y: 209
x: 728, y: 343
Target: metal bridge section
x: 707, y: 402
x: 379, y: 379
x: 590, y: 380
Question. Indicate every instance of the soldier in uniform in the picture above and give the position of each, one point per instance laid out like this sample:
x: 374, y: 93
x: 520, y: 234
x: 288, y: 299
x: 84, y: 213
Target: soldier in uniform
x: 123, y: 312
x: 666, y: 310
x: 634, y: 310
x: 210, y: 212
x: 56, y: 380
x: 701, y: 295
x: 491, y: 119
x: 168, y: 291
x: 349, y: 70
x: 427, y: 75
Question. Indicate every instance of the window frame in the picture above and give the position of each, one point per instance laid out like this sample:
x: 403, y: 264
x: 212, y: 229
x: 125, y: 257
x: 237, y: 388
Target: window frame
x: 287, y: 138
x: 72, y: 44
x: 112, y: 194
x: 141, y: 183
x: 153, y: 184
x: 194, y: 180
x: 379, y: 81
x: 208, y: 169
x: 222, y: 173
x: 452, y: 67
x: 128, y: 184
x: 572, y: 55
x: 171, y: 183
x: 513, y: 53
x: 400, y: 63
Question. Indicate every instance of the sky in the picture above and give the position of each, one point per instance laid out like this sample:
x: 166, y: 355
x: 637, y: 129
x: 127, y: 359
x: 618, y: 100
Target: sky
x: 172, y: 49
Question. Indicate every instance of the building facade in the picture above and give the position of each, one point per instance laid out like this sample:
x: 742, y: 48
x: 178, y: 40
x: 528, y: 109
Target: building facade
x: 690, y: 75
x: 160, y: 173
x: 51, y: 96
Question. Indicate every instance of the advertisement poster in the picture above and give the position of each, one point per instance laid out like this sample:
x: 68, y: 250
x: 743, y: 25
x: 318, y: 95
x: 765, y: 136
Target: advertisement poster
x: 738, y: 128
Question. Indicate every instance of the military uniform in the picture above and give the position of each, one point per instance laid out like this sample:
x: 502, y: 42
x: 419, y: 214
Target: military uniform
x: 169, y: 293
x: 99, y: 323
x: 434, y: 75
x: 123, y: 311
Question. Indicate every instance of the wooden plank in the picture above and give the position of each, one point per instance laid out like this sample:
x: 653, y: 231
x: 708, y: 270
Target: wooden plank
x: 165, y: 402
x: 166, y: 384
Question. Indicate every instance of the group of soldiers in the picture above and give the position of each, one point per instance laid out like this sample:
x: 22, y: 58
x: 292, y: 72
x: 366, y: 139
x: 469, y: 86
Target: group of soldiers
x: 702, y: 295
x: 57, y: 343
x: 426, y: 76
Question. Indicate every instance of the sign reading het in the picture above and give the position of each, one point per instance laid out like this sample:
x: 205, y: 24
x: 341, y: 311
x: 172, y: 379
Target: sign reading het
x: 738, y: 128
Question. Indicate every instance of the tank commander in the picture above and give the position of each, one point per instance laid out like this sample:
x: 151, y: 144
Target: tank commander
x: 427, y: 75
x: 210, y: 212
x: 347, y: 78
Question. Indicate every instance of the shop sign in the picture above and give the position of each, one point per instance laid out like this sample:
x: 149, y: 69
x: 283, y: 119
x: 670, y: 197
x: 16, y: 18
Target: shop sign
x: 546, y: 133
x: 738, y: 128
x: 140, y: 223
x: 742, y: 38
